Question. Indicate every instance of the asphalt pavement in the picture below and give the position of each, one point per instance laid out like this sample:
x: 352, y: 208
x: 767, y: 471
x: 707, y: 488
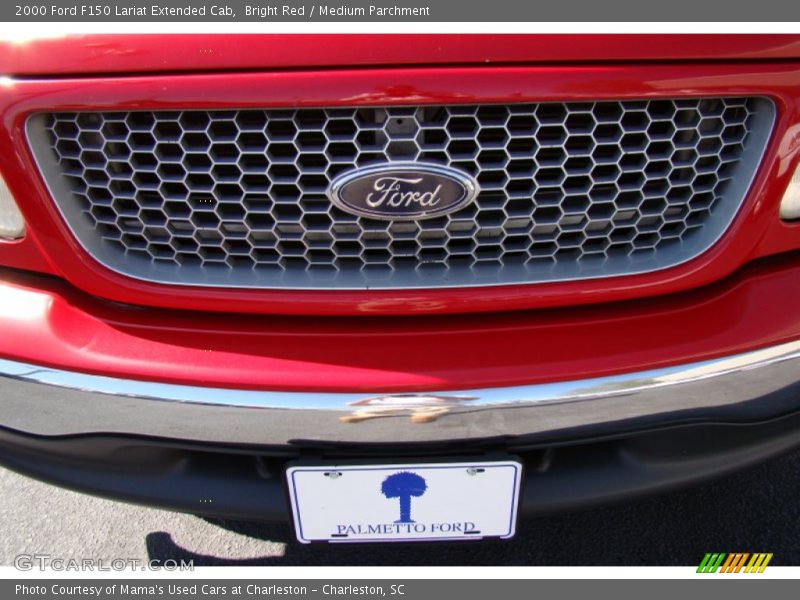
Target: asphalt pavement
x: 755, y: 510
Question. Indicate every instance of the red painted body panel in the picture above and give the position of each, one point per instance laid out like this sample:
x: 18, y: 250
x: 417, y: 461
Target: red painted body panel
x: 45, y: 321
x: 755, y: 232
x: 114, y: 54
x: 635, y: 323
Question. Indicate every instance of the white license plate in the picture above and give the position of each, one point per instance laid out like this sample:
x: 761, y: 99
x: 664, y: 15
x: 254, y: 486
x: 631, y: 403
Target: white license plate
x: 404, y: 502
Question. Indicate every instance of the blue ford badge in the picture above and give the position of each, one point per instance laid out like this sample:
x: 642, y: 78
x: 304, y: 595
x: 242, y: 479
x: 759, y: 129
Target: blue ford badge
x: 402, y: 191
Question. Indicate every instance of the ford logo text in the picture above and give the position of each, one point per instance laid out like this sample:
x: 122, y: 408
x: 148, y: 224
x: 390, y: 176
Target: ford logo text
x: 402, y: 191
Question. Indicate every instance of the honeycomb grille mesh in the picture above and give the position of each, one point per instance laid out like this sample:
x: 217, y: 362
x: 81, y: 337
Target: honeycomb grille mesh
x: 567, y: 190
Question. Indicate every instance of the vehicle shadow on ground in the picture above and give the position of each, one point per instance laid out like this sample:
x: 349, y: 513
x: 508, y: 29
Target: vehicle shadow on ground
x: 752, y: 511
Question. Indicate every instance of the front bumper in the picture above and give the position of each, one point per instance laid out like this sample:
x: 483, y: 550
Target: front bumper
x: 71, y: 365
x: 50, y: 402
x: 247, y: 483
x: 99, y: 397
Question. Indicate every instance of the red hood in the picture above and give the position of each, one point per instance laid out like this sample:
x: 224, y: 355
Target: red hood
x: 121, y: 54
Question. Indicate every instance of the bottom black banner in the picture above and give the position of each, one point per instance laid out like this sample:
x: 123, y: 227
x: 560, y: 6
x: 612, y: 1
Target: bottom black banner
x: 410, y: 589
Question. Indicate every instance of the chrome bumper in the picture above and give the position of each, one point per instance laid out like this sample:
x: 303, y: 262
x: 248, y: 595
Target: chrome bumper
x: 50, y: 402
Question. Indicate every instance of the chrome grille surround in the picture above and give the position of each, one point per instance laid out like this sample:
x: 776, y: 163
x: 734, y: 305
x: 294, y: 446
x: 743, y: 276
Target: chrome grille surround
x: 237, y: 198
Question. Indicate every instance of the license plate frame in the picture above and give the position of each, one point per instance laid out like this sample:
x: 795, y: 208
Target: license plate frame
x: 353, y: 503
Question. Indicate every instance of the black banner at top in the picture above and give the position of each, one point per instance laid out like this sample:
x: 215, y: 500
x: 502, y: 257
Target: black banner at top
x: 419, y: 11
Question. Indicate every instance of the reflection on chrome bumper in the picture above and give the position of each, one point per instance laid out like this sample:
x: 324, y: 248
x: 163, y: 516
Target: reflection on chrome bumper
x: 44, y: 401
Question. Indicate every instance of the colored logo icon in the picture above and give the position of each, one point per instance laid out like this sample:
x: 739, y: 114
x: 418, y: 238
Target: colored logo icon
x: 734, y: 562
x: 404, y: 486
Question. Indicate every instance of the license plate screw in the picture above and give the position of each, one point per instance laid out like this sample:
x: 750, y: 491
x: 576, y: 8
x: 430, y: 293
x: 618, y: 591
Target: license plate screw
x: 333, y: 474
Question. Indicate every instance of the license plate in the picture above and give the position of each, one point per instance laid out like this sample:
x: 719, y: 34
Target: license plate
x: 404, y: 502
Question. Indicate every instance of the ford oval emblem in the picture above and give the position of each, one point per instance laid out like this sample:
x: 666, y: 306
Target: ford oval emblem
x: 402, y: 191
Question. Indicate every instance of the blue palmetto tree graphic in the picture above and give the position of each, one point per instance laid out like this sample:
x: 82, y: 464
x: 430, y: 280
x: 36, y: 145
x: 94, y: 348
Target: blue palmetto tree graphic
x: 404, y: 485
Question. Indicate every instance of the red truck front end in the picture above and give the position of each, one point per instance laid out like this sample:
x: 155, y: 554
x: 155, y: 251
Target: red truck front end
x: 258, y: 276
